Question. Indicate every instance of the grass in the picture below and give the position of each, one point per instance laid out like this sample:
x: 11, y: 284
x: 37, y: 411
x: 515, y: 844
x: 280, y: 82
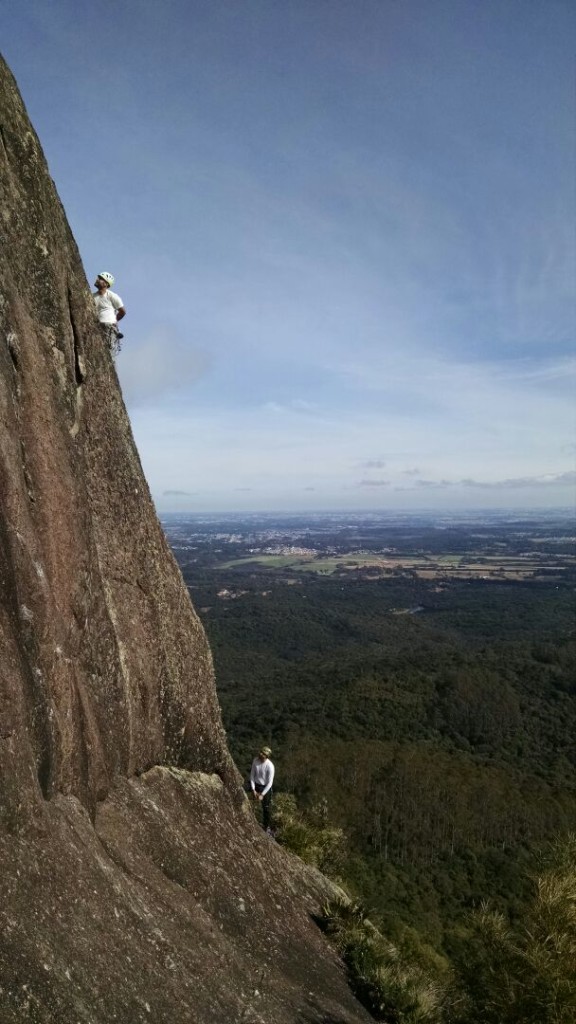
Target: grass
x: 269, y: 561
x: 397, y: 985
x: 425, y: 566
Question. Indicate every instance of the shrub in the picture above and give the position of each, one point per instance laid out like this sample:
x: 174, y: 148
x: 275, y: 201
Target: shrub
x: 394, y: 987
x: 308, y: 834
x: 525, y: 974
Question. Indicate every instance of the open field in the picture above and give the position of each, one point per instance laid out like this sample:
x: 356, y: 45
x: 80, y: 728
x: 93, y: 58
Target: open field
x: 467, y: 566
x: 270, y: 561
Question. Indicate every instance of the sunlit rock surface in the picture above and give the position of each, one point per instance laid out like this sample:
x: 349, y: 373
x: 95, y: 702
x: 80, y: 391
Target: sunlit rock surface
x: 134, y: 883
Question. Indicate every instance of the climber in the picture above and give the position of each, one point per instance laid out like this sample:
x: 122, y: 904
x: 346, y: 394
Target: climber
x: 110, y: 309
x: 261, y: 779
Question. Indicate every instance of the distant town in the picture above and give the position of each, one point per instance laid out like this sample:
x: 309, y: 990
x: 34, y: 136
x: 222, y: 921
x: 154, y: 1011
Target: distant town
x: 475, y: 545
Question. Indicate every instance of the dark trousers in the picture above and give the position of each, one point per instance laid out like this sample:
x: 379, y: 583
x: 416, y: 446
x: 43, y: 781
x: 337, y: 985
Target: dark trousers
x: 266, y: 804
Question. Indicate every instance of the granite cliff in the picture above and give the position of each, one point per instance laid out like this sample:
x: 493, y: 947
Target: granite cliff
x: 135, y: 885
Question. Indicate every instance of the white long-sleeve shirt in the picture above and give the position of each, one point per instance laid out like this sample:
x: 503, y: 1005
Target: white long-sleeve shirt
x: 262, y: 772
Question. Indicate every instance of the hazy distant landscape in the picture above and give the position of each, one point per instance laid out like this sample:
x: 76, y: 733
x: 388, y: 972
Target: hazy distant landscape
x: 415, y: 677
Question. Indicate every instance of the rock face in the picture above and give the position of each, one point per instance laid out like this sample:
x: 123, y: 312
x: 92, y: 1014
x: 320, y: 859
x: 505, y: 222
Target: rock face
x: 134, y: 884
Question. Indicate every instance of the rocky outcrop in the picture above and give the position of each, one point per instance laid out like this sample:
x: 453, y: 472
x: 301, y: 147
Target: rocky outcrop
x: 134, y: 884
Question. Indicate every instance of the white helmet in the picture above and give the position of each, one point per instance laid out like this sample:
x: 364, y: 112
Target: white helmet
x: 109, y: 278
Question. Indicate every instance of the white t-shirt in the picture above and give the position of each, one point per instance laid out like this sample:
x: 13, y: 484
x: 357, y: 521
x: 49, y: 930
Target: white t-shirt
x: 106, y: 306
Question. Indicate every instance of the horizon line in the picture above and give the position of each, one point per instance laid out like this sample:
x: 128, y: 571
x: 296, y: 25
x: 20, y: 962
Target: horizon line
x: 511, y: 510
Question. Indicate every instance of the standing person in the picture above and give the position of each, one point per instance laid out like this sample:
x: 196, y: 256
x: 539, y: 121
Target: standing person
x: 110, y: 309
x: 261, y: 779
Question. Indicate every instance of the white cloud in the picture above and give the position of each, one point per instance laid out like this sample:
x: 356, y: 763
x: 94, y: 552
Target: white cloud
x: 546, y: 480
x: 158, y: 366
x: 273, y: 454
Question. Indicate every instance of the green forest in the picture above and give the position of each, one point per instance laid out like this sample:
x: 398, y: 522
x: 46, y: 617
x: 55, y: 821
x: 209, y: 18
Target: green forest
x: 422, y: 730
x: 442, y: 741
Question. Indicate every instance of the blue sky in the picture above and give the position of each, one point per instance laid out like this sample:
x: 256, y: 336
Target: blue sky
x: 344, y: 234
